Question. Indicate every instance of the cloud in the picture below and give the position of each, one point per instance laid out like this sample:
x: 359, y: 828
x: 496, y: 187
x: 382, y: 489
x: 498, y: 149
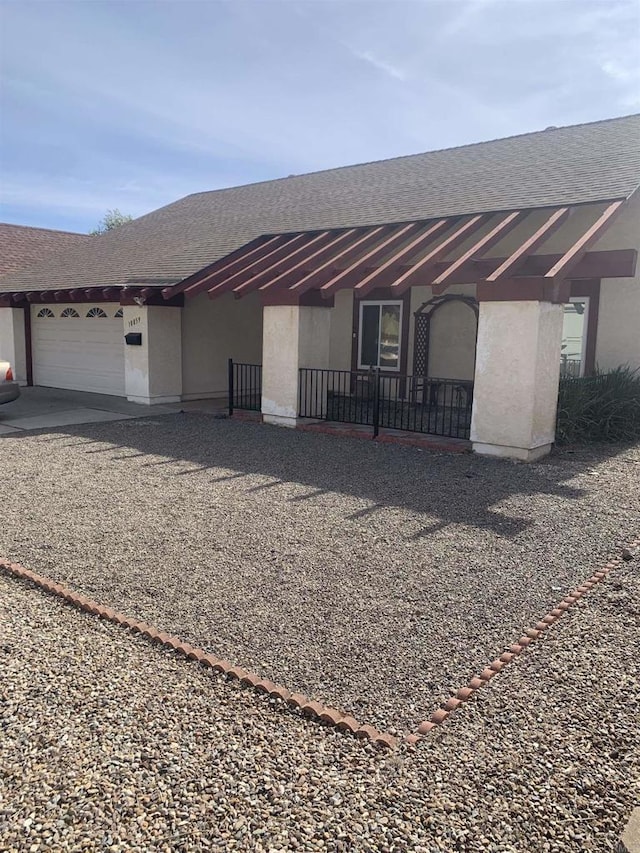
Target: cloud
x: 380, y: 64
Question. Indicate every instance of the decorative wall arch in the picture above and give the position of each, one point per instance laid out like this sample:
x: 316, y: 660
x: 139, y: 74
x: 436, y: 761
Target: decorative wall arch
x: 422, y: 327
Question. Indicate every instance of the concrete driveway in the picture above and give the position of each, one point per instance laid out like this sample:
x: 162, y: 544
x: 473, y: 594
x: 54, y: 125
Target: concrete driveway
x: 41, y: 408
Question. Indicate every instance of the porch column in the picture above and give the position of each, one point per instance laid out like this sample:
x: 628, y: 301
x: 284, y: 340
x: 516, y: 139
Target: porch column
x: 293, y: 336
x: 153, y: 367
x: 13, y: 342
x: 517, y: 373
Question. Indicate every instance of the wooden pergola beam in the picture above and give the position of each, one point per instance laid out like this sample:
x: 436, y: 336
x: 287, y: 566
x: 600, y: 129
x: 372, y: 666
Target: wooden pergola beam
x: 506, y: 224
x: 288, y: 262
x: 394, y: 239
x: 327, y: 251
x: 426, y: 264
x: 277, y: 246
x: 371, y: 281
x: 573, y: 255
x: 510, y: 266
x: 223, y: 282
x: 207, y: 277
x: 312, y: 278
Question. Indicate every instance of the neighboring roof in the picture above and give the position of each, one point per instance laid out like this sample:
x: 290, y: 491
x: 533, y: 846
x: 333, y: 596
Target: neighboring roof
x: 571, y: 165
x: 22, y: 246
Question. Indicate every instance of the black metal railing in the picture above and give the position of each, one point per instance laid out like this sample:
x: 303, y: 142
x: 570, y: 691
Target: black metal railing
x: 245, y: 386
x: 380, y: 400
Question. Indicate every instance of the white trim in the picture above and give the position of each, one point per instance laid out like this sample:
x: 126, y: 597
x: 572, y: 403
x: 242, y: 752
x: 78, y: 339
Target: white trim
x: 380, y: 303
x: 586, y: 300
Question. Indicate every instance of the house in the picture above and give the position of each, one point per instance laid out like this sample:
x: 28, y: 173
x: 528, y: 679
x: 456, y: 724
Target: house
x: 443, y: 290
x: 22, y: 246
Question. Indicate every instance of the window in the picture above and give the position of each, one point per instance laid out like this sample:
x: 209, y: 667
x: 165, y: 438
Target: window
x: 118, y: 313
x: 45, y: 312
x: 574, y: 336
x: 69, y: 312
x: 379, y: 341
x: 96, y: 312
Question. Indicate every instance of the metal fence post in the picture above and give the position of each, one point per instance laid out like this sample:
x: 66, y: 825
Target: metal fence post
x: 376, y: 401
x: 230, y: 387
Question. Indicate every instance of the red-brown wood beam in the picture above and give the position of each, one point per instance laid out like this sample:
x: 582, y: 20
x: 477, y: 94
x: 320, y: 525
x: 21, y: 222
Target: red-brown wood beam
x: 315, y: 277
x: 523, y: 288
x: 398, y: 235
x: 423, y: 268
x: 506, y: 224
x: 373, y: 280
x: 283, y: 264
x: 33, y: 296
x: 46, y: 296
x: 572, y: 256
x: 19, y: 298
x: 110, y: 293
x: 225, y: 280
x: 517, y: 258
x: 327, y: 251
x: 228, y: 264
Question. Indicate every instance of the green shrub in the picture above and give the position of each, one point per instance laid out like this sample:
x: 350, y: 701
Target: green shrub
x: 603, y: 407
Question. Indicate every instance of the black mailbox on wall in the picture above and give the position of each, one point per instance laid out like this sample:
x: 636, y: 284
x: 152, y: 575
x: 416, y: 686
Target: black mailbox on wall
x: 133, y: 339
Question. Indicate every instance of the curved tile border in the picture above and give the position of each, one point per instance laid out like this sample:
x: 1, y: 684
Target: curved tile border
x: 477, y: 682
x: 310, y: 708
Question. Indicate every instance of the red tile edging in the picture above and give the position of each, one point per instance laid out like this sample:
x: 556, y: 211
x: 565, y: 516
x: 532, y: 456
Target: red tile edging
x: 316, y: 710
x: 313, y: 709
x: 477, y: 682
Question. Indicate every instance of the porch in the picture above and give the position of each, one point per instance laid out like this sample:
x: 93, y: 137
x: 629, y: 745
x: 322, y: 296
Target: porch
x: 453, y: 328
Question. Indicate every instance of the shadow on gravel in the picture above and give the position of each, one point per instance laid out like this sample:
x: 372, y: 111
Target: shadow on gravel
x: 453, y: 488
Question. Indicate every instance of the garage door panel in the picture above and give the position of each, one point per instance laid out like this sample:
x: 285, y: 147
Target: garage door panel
x: 79, y: 353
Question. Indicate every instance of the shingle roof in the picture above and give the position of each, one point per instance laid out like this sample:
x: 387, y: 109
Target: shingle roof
x: 22, y: 246
x: 569, y: 165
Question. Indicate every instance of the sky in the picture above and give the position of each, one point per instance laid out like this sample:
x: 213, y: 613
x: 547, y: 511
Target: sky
x: 134, y: 104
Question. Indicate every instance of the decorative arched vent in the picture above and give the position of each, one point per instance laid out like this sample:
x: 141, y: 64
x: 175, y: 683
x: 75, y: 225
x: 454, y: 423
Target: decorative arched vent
x: 96, y: 312
x: 118, y: 313
x: 69, y: 312
x: 45, y: 312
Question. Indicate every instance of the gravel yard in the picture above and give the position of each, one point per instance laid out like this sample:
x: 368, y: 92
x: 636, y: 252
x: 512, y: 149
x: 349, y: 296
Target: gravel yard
x: 109, y: 743
x: 376, y: 578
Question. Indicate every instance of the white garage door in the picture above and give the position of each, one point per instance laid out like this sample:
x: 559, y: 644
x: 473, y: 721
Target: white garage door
x: 79, y: 347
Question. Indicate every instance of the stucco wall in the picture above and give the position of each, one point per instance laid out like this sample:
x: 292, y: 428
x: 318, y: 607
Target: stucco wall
x: 153, y: 370
x: 12, y: 342
x: 341, y: 331
x: 618, y: 340
x: 214, y: 330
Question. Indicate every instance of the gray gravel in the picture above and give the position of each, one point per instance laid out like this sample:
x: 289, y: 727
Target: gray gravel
x: 109, y: 743
x: 375, y: 578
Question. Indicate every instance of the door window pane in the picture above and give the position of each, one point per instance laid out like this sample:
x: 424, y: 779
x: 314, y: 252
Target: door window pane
x: 574, y: 335
x: 369, y: 335
x: 390, y: 337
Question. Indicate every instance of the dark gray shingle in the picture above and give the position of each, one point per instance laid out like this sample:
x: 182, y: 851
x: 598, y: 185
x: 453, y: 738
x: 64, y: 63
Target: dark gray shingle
x: 569, y: 165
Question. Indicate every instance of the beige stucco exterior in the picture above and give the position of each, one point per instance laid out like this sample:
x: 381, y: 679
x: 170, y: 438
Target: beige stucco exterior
x: 214, y: 331
x: 618, y: 340
x: 12, y: 342
x: 516, y: 379
x: 153, y: 370
x: 294, y: 337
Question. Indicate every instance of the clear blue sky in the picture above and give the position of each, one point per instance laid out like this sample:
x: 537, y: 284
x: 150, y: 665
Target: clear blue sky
x: 135, y: 104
